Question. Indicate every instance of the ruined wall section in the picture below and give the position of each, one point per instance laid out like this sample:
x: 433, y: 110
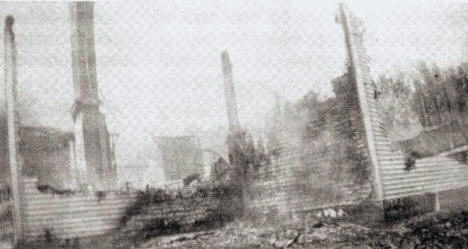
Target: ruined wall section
x: 70, y: 215
x: 158, y: 212
x: 392, y: 178
x: 320, y: 158
x: 4, y: 159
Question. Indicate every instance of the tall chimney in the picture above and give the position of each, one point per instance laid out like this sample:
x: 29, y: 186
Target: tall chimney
x: 12, y: 121
x: 92, y: 138
x: 277, y: 114
x: 229, y: 93
x: 237, y: 139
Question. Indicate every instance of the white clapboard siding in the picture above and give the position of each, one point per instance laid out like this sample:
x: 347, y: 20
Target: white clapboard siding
x: 69, y: 216
x: 432, y: 174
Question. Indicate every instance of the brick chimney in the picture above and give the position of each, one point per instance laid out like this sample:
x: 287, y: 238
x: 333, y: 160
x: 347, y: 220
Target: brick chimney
x: 12, y: 124
x: 230, y: 94
x: 92, y: 140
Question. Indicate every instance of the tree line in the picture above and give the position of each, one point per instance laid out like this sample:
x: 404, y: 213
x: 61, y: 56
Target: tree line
x: 428, y: 97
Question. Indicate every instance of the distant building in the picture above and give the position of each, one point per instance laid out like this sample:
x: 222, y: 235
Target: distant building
x: 141, y: 175
x: 179, y: 156
x: 214, y: 145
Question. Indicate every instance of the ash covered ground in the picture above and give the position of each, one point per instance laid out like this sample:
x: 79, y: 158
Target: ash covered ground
x: 442, y: 230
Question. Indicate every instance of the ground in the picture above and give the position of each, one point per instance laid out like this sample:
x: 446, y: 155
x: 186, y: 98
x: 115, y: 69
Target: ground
x: 443, y: 230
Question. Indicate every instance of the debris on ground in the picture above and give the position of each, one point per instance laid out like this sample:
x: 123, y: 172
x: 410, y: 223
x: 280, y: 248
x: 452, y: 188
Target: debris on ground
x: 426, y: 232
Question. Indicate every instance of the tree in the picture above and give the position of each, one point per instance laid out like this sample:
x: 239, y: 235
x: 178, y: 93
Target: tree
x: 396, y: 103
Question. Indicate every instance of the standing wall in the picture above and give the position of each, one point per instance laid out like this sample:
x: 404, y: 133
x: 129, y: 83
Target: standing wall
x: 432, y: 174
x: 70, y: 215
x: 320, y: 157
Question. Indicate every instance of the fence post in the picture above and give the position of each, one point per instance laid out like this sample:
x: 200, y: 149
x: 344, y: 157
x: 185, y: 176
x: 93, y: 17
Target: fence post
x: 436, y: 202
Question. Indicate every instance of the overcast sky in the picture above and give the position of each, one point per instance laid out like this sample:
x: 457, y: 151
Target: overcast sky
x: 158, y: 62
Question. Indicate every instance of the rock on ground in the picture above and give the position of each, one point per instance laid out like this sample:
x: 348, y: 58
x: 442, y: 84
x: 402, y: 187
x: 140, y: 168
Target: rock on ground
x: 436, y: 231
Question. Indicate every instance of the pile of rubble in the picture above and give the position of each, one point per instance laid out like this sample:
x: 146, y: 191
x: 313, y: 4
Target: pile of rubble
x: 436, y: 231
x: 440, y: 231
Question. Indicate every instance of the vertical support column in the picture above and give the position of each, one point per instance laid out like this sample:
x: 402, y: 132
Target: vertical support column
x: 80, y: 160
x: 105, y: 155
x: 436, y: 202
x: 73, y: 168
x: 12, y: 123
x: 113, y: 141
x: 356, y: 55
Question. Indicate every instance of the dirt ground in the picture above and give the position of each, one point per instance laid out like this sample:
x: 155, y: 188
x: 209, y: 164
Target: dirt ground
x: 443, y: 230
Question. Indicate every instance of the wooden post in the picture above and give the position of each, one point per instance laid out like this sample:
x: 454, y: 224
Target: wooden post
x: 113, y: 140
x: 12, y: 123
x: 73, y: 168
x: 436, y: 202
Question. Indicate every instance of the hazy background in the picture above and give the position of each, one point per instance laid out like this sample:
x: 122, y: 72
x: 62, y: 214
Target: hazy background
x: 158, y: 62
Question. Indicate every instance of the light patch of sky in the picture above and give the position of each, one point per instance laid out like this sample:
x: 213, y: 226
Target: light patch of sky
x: 158, y: 62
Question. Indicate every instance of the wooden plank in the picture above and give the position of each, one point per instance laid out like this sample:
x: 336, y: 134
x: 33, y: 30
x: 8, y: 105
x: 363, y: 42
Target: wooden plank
x: 462, y: 181
x: 65, y: 201
x: 416, y: 179
x: 422, y: 190
x: 396, y: 172
x: 74, y: 222
x: 75, y: 232
x: 401, y: 165
x: 77, y: 211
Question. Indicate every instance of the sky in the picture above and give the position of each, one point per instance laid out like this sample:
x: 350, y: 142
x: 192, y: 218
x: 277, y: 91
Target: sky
x: 158, y: 62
